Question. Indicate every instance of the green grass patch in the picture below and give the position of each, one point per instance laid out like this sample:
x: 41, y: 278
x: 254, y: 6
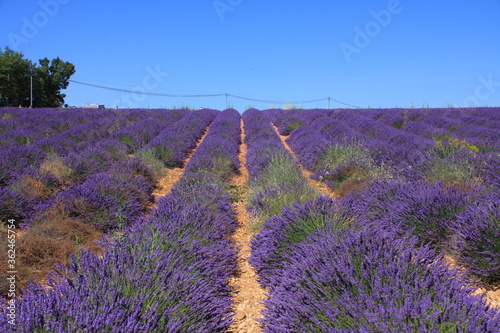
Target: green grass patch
x: 148, y: 156
x: 347, y: 166
x: 293, y: 125
x: 280, y: 184
x: 453, y: 162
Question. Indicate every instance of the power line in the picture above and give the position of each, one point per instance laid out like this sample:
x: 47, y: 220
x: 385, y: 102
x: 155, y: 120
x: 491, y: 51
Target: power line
x: 211, y: 95
x: 141, y: 92
x: 276, y: 102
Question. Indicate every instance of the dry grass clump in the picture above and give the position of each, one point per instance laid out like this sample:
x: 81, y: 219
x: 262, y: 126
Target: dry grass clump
x: 48, y: 241
x: 57, y: 168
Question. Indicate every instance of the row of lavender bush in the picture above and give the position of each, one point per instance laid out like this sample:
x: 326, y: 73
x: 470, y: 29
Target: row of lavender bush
x: 167, y: 273
x: 347, y: 266
x: 275, y: 178
x: 18, y: 159
x: 407, y: 142
x: 463, y: 224
x: 457, y: 143
x: 437, y: 204
x: 341, y: 160
x: 366, y: 282
x: 23, y: 180
x: 353, y: 265
x: 85, y: 129
x: 171, y: 146
x: 30, y: 193
x: 110, y: 199
x: 476, y: 126
x: 27, y: 129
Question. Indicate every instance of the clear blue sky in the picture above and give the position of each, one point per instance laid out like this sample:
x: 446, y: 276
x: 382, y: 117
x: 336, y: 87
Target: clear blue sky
x: 364, y: 53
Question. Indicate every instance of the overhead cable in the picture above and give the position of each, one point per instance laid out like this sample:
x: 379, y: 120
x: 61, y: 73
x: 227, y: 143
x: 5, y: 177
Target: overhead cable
x: 209, y: 95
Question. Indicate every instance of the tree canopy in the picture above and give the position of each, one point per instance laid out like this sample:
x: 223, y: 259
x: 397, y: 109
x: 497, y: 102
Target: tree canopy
x: 49, y: 78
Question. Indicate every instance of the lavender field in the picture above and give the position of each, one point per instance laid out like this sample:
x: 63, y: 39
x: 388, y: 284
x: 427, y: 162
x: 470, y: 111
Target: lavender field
x: 380, y: 220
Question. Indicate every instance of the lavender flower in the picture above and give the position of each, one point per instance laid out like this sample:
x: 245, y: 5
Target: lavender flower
x: 363, y: 282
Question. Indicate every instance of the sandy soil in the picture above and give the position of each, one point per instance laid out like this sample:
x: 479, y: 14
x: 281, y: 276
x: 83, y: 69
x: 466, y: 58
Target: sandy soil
x: 492, y: 296
x: 247, y: 294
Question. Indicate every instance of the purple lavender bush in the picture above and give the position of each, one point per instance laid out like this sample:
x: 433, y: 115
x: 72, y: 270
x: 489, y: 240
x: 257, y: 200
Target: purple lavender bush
x: 216, y: 160
x: 491, y: 171
x: 205, y: 216
x: 308, y: 145
x: 106, y: 200
x: 477, y: 239
x: 275, y: 179
x: 142, y: 132
x: 13, y: 205
x: 16, y: 161
x: 426, y: 209
x: 145, y: 283
x: 94, y: 159
x: 455, y: 162
x: 173, y: 144
x: 272, y: 245
x: 365, y: 282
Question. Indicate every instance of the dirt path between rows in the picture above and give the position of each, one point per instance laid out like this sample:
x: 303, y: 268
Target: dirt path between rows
x: 247, y: 295
x: 317, y: 185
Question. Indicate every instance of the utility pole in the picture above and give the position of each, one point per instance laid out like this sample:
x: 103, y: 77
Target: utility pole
x: 31, y: 90
x: 31, y: 86
x: 328, y: 103
x: 226, y: 100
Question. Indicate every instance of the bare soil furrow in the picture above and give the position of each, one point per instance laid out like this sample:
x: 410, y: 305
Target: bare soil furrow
x: 248, y: 295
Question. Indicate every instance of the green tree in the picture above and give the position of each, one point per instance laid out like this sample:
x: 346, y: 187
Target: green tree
x: 14, y: 78
x: 52, y: 77
x: 49, y: 78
